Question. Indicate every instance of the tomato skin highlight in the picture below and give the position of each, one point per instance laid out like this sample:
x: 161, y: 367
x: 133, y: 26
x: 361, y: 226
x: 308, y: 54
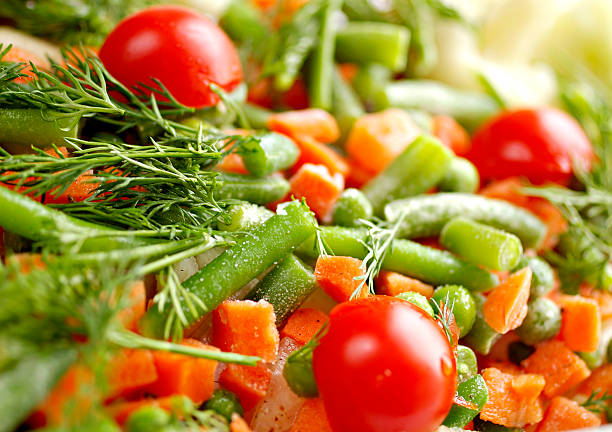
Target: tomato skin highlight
x: 186, y: 51
x: 539, y: 144
x: 384, y: 366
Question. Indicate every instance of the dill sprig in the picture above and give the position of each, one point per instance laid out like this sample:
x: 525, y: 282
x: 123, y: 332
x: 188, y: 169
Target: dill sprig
x: 597, y: 402
x: 444, y: 315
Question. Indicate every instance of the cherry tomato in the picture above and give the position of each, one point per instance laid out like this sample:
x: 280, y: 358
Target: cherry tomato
x: 384, y: 366
x: 186, y: 51
x: 539, y: 144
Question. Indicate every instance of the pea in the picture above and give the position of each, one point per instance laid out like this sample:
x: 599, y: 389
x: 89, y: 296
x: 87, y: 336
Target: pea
x: 147, y: 419
x: 299, y: 374
x: 461, y: 302
x: 542, y: 279
x: 542, y: 322
x: 350, y: 207
x: 467, y: 365
x: 418, y: 300
x: 225, y: 403
x: 518, y: 351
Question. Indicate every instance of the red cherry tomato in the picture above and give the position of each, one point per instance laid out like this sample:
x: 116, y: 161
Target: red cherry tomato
x: 539, y: 144
x: 186, y: 51
x: 384, y: 366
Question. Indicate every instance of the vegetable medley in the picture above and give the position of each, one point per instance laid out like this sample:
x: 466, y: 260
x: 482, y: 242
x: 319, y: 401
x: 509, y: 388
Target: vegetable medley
x: 305, y: 215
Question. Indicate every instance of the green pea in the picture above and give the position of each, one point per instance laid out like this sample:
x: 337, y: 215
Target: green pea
x: 147, y: 419
x: 225, y: 403
x: 350, y: 207
x: 542, y: 322
x: 542, y: 279
x: 418, y: 300
x: 593, y: 359
x: 299, y: 374
x: 467, y: 365
x: 461, y: 302
x: 518, y: 351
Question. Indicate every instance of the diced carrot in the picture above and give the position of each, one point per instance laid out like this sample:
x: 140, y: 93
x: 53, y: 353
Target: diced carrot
x: 129, y: 370
x: 564, y: 414
x: 246, y: 327
x: 179, y: 374
x: 311, y: 417
x: 312, y: 151
x: 264, y: 4
x: 28, y: 262
x: 313, y: 123
x: 121, y: 411
x: 336, y: 275
x: 392, y: 283
x: 131, y: 314
x: 560, y: 367
x: 303, y: 324
x: 18, y: 55
x: 238, y: 424
x: 377, y: 139
x: 348, y: 71
x: 552, y: 217
x: 581, y: 323
x: 232, y: 163
x: 320, y: 189
x: 499, y: 350
x: 508, y: 190
x: 452, y: 134
x: 506, y: 306
x: 513, y: 399
x: 79, y: 190
x: 249, y: 383
x: 603, y: 299
x: 600, y: 381
x: 357, y: 176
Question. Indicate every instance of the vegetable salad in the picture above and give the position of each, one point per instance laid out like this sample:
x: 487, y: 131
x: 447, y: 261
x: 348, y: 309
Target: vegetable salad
x: 305, y: 215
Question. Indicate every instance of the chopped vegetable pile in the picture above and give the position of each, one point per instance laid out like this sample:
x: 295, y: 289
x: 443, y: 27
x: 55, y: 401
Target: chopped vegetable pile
x: 305, y: 215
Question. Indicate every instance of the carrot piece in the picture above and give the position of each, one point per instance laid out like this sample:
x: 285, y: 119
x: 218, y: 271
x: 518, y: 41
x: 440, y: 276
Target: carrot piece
x: 311, y: 417
x: 392, y: 283
x: 581, y: 323
x: 28, y: 262
x: 377, y: 139
x: 129, y: 370
x: 312, y: 151
x: 513, y: 399
x: 18, y: 55
x: 238, y: 424
x: 320, y: 189
x: 357, y: 175
x: 561, y: 368
x: 303, y: 324
x: 600, y: 381
x: 121, y: 411
x: 506, y: 306
x: 312, y: 123
x: 179, y: 374
x: 249, y: 383
x: 564, y: 414
x: 603, y: 299
x: 131, y: 314
x: 556, y: 224
x: 336, y: 275
x: 451, y: 133
x: 246, y: 327
x: 348, y: 71
x: 232, y: 163
x: 508, y: 190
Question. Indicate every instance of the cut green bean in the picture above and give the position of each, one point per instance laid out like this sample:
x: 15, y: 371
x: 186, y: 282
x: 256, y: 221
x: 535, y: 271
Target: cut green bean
x: 350, y: 208
x: 374, y: 42
x: 147, y: 418
x: 271, y: 152
x: 417, y: 299
x: 542, y: 279
x: 413, y: 259
x: 467, y: 364
x: 462, y: 176
x: 244, y: 23
x: 237, y: 266
x: 299, y: 374
x: 21, y: 128
x: 593, y: 359
x: 346, y: 106
x: 369, y: 84
x: 474, y: 391
x: 542, y: 322
x: 418, y: 168
x: 256, y: 115
x: 519, y: 351
x: 469, y: 108
x: 460, y: 302
x: 424, y: 216
x: 244, y: 217
x: 258, y: 190
x: 285, y: 287
x: 481, y: 244
x: 482, y: 337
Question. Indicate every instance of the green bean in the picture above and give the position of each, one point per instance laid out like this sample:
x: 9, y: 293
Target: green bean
x: 462, y: 176
x: 474, y: 391
x: 146, y: 419
x: 299, y: 374
x: 322, y: 59
x: 481, y: 244
x: 285, y: 287
x: 256, y: 115
x: 350, y: 207
x: 244, y: 217
x: 21, y: 128
x: 424, y: 216
x: 419, y: 300
x: 542, y: 279
x: 369, y: 84
x: 460, y: 301
x: 271, y: 152
x: 467, y: 365
x: 253, y: 189
x: 519, y: 351
x: 482, y: 337
x: 424, y: 263
x: 237, y: 266
x: 346, y: 106
x: 418, y: 168
x: 225, y: 403
x: 469, y: 108
x: 542, y: 322
x: 374, y: 42
x: 243, y: 23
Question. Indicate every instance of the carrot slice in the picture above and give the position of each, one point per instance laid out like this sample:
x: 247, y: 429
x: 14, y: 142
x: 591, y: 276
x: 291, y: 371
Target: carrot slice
x: 581, y: 324
x: 357, y: 175
x: 303, y: 324
x: 312, y: 123
x: 18, y: 55
x: 560, y: 367
x: 600, y: 381
x: 238, y: 424
x: 320, y: 189
x: 312, y: 151
x: 336, y: 275
x: 311, y: 417
x: 129, y: 370
x: 564, y: 414
x: 249, y: 383
x: 392, y: 283
x: 603, y: 299
x: 451, y: 133
x: 506, y: 306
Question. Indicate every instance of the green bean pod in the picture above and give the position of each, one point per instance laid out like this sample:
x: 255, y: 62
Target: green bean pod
x: 244, y: 217
x: 482, y: 337
x: 285, y: 287
x: 253, y: 189
x: 417, y: 299
x: 425, y: 216
x: 350, y: 208
x: 467, y: 364
x: 460, y: 301
x: 474, y: 391
x: 418, y: 168
x: 243, y: 22
x: 369, y: 84
x: 256, y: 115
x: 542, y: 322
x: 299, y: 374
x: 268, y: 153
x: 346, y: 106
x: 462, y: 176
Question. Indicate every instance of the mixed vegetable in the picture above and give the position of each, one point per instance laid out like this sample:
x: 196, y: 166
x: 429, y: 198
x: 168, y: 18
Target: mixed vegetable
x: 305, y: 215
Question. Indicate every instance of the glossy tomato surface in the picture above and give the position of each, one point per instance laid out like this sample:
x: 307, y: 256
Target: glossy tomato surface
x: 186, y: 51
x: 384, y: 366
x: 539, y: 144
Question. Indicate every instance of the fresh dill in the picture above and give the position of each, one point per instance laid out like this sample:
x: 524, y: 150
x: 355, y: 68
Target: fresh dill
x: 597, y: 402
